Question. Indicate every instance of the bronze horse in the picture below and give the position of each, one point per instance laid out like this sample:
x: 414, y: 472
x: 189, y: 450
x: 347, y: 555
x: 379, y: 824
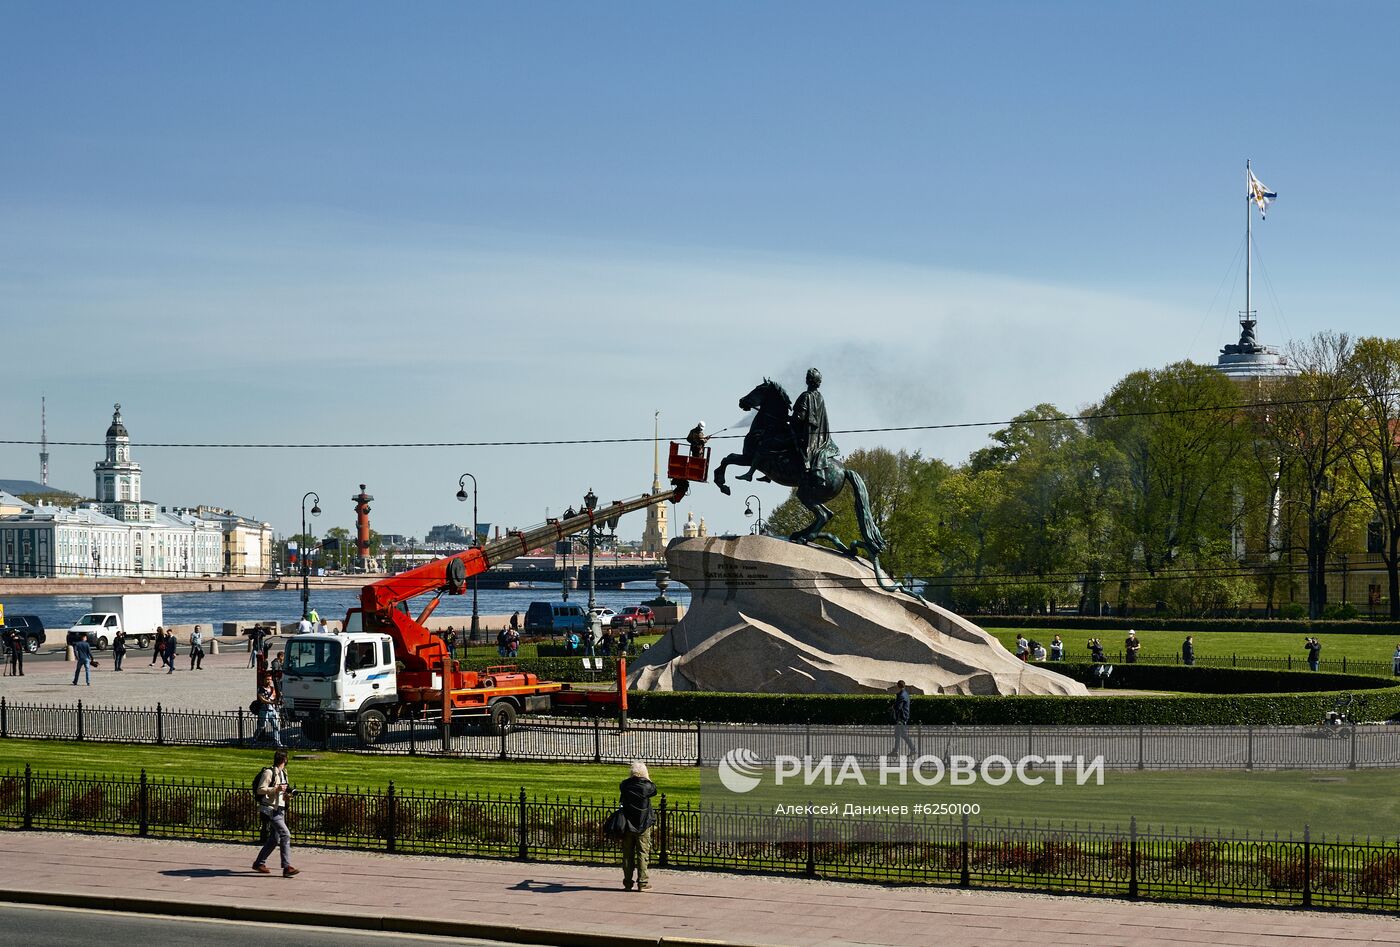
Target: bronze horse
x: 771, y: 449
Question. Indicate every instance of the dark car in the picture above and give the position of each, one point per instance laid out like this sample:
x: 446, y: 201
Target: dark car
x: 633, y: 616
x: 552, y: 618
x: 30, y: 626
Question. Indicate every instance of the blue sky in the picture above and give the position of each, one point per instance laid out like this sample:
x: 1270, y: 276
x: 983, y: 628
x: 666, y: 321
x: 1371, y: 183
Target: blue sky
x: 358, y: 222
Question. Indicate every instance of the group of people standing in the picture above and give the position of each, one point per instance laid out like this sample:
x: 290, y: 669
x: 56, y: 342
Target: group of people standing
x: 165, y: 649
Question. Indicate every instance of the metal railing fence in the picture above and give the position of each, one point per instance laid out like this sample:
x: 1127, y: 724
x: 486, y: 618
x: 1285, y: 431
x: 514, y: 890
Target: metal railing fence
x: 1135, y: 860
x: 596, y: 740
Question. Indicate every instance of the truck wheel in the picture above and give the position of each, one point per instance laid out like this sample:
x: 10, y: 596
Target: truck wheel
x: 316, y: 730
x: 370, y: 727
x: 143, y: 641
x: 31, y: 645
x: 502, y: 719
x: 99, y: 643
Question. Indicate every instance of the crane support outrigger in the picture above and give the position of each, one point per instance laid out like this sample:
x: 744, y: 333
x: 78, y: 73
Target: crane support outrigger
x: 386, y: 665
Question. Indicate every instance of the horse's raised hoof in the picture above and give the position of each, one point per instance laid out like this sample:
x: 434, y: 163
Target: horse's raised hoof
x: 723, y: 488
x: 745, y: 476
x: 765, y: 479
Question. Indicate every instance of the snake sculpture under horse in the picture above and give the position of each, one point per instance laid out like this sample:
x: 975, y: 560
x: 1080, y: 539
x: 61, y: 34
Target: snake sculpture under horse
x: 771, y: 449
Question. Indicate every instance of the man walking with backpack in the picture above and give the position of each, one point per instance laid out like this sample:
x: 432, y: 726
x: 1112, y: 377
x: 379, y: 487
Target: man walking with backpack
x: 272, y: 792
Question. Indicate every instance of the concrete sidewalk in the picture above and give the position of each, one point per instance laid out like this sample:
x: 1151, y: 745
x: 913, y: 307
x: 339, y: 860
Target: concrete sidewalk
x: 575, y: 905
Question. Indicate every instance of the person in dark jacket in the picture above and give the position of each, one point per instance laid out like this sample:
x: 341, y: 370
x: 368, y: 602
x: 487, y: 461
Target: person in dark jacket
x: 1314, y: 652
x: 158, y: 650
x: 170, y: 644
x: 82, y: 653
x: 118, y: 650
x: 899, y: 712
x: 1188, y: 651
x: 636, y: 792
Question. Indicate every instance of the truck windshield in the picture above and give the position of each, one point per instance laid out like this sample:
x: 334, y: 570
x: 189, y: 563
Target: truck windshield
x: 94, y: 619
x: 312, y: 658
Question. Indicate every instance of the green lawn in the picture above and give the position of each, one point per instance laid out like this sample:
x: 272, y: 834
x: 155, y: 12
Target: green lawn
x: 1361, y: 803
x: 1215, y: 644
x: 334, y: 769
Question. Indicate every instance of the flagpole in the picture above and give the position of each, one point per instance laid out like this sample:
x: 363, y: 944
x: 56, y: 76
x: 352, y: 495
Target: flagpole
x: 1248, y: 242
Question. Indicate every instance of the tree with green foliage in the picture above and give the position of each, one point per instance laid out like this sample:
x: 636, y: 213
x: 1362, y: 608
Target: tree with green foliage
x: 1314, y: 419
x: 1375, y: 371
x: 1176, y: 447
x: 899, y: 486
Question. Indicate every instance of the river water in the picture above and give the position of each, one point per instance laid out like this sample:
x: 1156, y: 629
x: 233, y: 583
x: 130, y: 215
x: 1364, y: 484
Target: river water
x: 188, y: 608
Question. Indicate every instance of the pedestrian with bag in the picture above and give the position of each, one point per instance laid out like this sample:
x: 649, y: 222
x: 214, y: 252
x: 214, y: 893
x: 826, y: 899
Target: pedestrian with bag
x: 158, y: 650
x: 269, y: 715
x: 273, y: 793
x: 636, y: 792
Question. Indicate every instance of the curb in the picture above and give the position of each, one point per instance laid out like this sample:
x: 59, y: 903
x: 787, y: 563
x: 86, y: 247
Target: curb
x: 366, y: 922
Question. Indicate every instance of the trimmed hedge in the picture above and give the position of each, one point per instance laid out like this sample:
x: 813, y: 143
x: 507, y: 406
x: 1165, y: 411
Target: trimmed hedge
x: 1224, y: 706
x: 1222, y: 696
x: 568, y: 670
x: 1146, y: 623
x: 1192, y: 710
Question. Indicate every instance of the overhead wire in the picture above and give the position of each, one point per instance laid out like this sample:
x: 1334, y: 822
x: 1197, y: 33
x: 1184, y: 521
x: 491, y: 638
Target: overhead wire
x: 570, y: 442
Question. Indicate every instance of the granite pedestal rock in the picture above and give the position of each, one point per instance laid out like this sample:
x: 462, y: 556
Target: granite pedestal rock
x: 770, y: 616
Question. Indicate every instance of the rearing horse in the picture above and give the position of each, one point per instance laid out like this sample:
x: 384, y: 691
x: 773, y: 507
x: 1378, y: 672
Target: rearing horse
x: 770, y: 448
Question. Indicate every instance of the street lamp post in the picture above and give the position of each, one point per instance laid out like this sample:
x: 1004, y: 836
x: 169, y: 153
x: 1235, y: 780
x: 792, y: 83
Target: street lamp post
x: 748, y: 511
x: 590, y: 503
x: 305, y: 570
x: 476, y: 541
x: 568, y: 546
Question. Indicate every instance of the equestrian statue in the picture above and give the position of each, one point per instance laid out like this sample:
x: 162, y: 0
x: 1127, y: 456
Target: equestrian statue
x: 790, y: 444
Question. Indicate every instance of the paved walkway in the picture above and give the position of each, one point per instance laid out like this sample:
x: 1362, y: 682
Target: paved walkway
x: 225, y: 683
x: 585, y: 905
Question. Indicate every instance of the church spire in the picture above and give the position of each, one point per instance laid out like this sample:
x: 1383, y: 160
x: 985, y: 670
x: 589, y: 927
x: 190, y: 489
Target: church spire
x: 43, y: 440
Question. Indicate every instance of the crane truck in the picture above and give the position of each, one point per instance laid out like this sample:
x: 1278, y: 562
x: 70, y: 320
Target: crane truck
x: 385, y: 665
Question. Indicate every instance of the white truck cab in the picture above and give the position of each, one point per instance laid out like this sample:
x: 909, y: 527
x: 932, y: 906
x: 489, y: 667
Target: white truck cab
x: 330, y: 682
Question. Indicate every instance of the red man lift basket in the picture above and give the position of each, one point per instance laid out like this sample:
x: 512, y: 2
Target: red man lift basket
x: 686, y: 466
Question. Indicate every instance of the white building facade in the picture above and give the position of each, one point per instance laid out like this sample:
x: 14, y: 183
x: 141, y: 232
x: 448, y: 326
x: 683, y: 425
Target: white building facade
x: 118, y: 534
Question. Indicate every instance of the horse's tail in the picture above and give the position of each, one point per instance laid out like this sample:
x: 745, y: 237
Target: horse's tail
x: 869, y: 531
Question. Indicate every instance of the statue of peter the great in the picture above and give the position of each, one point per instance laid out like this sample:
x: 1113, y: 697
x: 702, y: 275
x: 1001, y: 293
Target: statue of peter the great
x: 811, y: 431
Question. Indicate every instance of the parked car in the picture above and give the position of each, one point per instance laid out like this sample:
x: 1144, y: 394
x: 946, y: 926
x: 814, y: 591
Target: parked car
x: 30, y: 626
x: 552, y: 618
x: 633, y: 616
x: 604, y: 614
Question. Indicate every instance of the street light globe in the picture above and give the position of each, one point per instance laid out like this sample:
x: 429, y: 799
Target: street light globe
x: 462, y: 495
x: 315, y: 510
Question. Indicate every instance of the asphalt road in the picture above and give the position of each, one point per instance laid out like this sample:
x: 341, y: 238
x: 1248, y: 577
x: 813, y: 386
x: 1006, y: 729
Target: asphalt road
x: 61, y: 927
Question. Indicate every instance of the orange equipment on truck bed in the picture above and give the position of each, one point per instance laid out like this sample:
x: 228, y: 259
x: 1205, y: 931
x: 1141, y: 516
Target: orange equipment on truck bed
x: 429, y: 680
